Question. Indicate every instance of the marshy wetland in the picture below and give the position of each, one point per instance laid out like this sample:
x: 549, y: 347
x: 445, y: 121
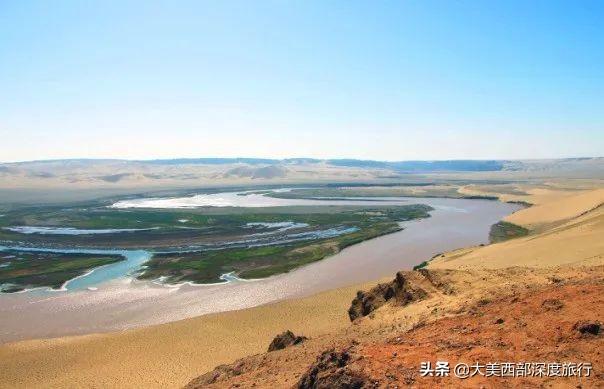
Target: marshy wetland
x: 31, y: 269
x: 203, y: 238
x: 241, y: 234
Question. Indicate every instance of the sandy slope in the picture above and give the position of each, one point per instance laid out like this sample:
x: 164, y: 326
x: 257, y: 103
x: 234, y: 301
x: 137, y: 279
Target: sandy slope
x: 559, y: 208
x: 575, y: 238
x: 172, y: 354
x: 167, y: 355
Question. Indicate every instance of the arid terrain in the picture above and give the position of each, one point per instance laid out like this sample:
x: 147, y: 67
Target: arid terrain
x: 81, y: 179
x: 536, y: 299
x: 301, y: 194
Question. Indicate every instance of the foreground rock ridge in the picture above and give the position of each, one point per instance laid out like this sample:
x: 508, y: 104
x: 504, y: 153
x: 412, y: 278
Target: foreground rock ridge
x: 548, y: 309
x: 555, y: 318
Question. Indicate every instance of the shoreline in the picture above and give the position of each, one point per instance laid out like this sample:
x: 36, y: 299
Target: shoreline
x: 124, y: 303
x: 145, y: 352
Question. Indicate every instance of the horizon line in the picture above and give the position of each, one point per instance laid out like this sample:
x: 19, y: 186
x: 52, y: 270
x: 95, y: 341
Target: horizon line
x: 184, y: 159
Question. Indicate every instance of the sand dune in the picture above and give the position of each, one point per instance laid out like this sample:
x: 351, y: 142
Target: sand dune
x: 559, y: 208
x: 575, y: 239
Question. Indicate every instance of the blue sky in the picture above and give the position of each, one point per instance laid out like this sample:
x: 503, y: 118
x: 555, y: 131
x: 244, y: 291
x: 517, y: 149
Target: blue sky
x: 390, y: 80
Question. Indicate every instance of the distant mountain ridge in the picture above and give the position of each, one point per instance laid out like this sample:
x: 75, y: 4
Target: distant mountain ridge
x: 410, y: 166
x: 401, y: 166
x: 53, y: 181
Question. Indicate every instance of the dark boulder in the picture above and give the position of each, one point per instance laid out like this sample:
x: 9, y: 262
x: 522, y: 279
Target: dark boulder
x: 284, y: 340
x: 399, y: 290
x: 588, y: 327
x: 331, y: 370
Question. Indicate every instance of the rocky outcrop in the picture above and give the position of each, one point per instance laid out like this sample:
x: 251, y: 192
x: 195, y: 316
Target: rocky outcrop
x: 331, y: 370
x: 400, y: 290
x: 552, y: 305
x: 284, y: 340
x: 588, y: 327
x: 220, y: 373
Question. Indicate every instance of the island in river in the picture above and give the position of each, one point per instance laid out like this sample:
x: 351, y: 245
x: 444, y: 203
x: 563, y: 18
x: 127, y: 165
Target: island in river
x: 22, y: 269
x: 200, y: 244
x: 259, y: 260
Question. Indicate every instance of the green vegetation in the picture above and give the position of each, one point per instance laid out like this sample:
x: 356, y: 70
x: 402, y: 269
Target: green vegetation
x: 221, y: 239
x: 425, y: 263
x: 421, y: 265
x: 30, y: 269
x: 259, y: 262
x: 519, y: 202
x: 502, y: 231
x: 173, y: 228
x: 511, y: 189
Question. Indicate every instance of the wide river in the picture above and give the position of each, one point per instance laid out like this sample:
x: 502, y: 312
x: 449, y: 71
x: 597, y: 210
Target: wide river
x: 116, y: 301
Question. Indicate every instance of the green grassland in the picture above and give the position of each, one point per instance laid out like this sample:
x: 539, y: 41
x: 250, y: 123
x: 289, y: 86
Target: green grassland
x: 502, y: 231
x: 259, y: 262
x: 30, y: 269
